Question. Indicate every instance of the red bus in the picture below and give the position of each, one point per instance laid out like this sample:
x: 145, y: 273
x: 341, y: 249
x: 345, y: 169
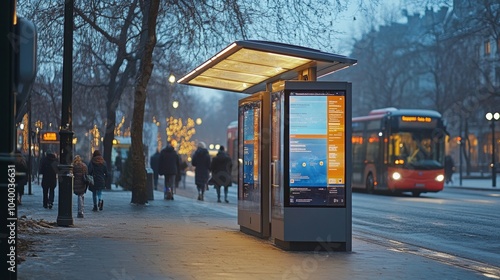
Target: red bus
x: 398, y: 150
x: 232, y: 147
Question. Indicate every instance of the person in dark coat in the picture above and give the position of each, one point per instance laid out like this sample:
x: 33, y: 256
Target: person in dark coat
x: 118, y: 168
x: 201, y: 160
x: 98, y: 169
x: 183, y: 169
x: 221, y: 167
x: 79, y: 184
x: 154, y: 162
x: 449, y: 167
x: 21, y: 175
x: 168, y: 166
x: 49, y: 170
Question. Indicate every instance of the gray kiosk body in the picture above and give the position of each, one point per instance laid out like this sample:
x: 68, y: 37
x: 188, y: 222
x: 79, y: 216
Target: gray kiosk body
x: 310, y: 166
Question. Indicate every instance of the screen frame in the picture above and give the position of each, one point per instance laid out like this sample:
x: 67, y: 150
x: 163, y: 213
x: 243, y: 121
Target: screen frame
x: 286, y: 140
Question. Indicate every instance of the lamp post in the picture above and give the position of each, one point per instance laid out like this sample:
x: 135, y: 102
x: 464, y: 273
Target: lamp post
x: 493, y: 117
x: 64, y: 214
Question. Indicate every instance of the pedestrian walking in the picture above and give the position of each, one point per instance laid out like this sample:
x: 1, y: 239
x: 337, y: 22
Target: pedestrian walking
x: 21, y: 175
x: 49, y: 170
x: 154, y: 162
x: 168, y: 166
x: 79, y: 184
x: 449, y: 168
x: 183, y: 168
x: 221, y: 167
x: 201, y: 162
x: 118, y: 168
x: 98, y: 169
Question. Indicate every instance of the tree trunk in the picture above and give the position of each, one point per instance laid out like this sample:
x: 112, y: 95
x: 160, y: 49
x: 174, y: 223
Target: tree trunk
x: 139, y: 192
x: 108, y: 142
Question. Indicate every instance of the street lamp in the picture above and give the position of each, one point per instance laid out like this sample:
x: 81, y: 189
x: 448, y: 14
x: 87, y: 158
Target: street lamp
x: 171, y: 78
x: 493, y: 117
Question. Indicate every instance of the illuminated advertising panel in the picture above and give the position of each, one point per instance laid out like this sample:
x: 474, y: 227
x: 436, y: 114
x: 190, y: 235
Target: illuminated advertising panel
x: 251, y: 150
x: 316, y: 148
x: 49, y: 137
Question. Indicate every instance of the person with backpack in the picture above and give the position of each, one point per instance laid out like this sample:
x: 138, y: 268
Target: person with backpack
x: 79, y: 184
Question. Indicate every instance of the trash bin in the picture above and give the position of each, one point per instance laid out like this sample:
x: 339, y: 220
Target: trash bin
x: 149, y: 183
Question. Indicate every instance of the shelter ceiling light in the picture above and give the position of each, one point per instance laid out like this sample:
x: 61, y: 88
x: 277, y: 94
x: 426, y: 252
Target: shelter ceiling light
x: 247, y: 66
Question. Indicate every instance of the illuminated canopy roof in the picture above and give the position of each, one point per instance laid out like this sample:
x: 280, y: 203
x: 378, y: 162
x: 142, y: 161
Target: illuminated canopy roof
x: 247, y: 66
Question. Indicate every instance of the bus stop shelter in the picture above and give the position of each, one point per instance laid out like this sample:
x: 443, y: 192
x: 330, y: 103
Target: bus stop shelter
x: 293, y: 176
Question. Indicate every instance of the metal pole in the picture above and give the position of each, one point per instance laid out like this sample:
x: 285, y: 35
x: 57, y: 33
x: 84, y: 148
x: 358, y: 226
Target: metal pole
x: 65, y: 217
x: 460, y: 152
x: 30, y: 143
x: 493, y: 167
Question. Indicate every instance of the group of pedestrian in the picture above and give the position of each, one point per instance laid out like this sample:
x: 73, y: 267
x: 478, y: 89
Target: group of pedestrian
x: 97, y: 168
x: 174, y: 169
x: 216, y: 171
x: 169, y: 164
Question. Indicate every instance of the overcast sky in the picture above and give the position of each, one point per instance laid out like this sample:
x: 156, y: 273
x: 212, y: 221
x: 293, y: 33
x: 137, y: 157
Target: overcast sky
x: 356, y: 21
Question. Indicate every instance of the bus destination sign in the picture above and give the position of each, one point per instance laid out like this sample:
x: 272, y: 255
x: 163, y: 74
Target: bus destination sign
x: 416, y: 119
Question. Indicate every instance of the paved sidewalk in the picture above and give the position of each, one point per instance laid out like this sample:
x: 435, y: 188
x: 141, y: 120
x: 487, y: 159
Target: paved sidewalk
x: 474, y: 184
x: 191, y: 239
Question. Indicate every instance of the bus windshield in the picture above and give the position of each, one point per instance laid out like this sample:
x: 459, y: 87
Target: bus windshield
x: 416, y: 150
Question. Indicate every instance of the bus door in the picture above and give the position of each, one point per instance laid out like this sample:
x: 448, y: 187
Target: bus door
x: 358, y: 154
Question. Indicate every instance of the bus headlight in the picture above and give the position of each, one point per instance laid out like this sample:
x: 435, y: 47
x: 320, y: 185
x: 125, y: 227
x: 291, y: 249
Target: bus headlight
x: 440, y: 178
x: 396, y: 176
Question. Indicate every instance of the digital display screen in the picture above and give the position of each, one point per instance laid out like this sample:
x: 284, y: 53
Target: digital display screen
x: 251, y: 150
x: 317, y: 148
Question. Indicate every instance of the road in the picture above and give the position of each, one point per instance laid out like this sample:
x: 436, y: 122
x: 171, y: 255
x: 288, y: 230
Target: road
x: 456, y: 226
x: 462, y: 224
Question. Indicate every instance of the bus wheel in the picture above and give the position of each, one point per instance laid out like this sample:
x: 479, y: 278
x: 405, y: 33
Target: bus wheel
x: 416, y: 194
x: 370, y: 183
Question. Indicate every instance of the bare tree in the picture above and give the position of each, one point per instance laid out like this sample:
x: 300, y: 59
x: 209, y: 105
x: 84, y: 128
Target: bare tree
x: 149, y: 10
x: 109, y: 49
